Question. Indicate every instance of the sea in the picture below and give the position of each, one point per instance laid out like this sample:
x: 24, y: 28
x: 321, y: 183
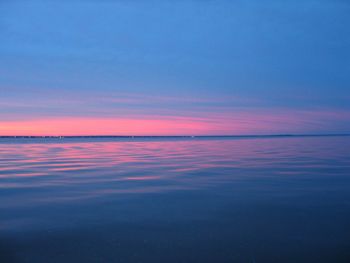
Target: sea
x: 244, y: 199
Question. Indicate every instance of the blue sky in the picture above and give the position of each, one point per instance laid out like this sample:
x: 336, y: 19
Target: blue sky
x: 229, y: 66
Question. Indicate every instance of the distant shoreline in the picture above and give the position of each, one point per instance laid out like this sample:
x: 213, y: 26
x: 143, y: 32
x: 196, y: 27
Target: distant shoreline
x: 168, y: 136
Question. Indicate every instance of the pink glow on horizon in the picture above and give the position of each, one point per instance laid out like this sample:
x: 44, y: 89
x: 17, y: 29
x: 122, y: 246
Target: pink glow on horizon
x: 248, y: 122
x: 99, y: 126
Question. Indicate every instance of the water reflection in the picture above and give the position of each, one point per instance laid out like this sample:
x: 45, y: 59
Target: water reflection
x: 236, y: 193
x: 95, y: 168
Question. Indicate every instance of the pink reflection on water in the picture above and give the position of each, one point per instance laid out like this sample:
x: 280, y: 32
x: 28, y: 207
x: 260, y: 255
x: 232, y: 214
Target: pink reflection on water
x: 87, y: 169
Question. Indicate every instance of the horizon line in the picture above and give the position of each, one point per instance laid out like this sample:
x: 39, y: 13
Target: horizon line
x: 168, y: 136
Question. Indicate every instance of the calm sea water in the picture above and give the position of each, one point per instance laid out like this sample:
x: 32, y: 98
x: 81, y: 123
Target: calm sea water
x: 170, y: 200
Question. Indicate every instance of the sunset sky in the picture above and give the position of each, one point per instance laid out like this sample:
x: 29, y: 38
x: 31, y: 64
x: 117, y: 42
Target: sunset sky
x: 89, y: 67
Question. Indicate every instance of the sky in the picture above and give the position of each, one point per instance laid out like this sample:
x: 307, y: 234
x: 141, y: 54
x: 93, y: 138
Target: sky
x: 88, y: 67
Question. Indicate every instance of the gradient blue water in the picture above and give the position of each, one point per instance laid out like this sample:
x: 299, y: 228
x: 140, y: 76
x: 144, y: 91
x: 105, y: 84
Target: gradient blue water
x: 171, y: 200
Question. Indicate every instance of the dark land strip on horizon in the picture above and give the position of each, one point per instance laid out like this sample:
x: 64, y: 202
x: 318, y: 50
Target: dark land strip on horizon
x: 166, y: 136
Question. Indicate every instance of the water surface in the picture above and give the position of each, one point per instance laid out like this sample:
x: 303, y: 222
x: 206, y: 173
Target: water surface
x: 283, y: 199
